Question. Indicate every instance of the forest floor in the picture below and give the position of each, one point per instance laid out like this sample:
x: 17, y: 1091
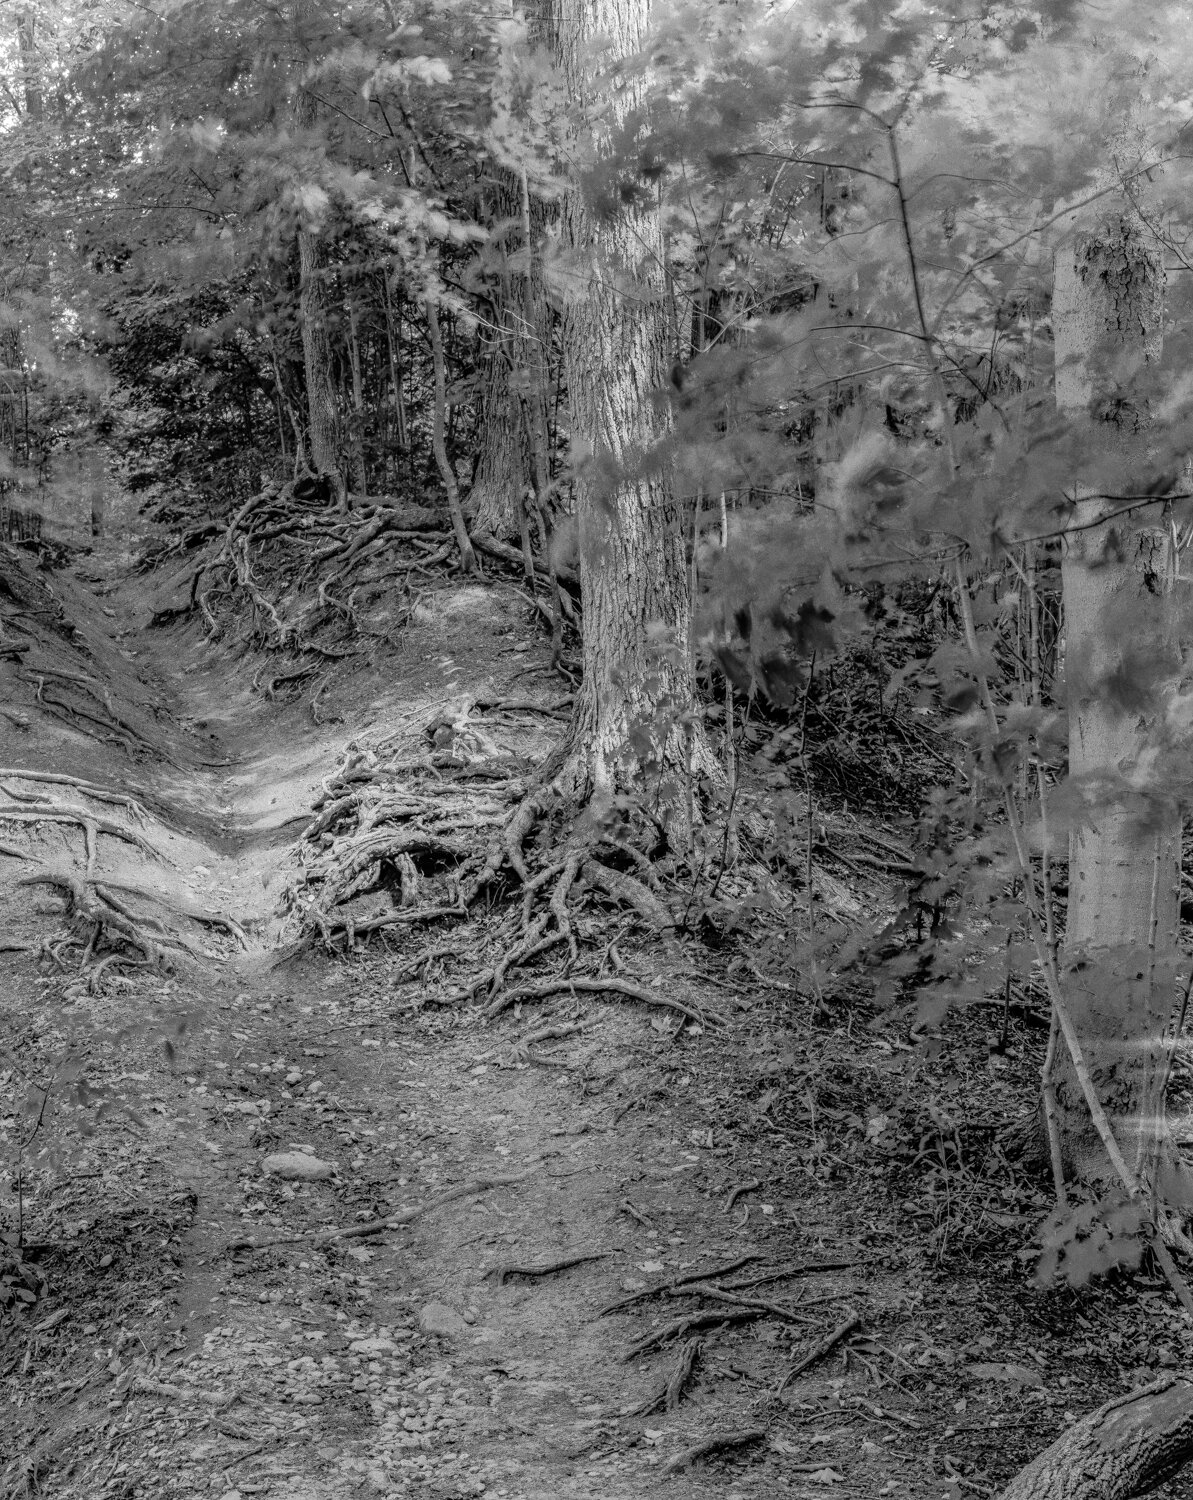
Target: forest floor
x: 821, y: 1185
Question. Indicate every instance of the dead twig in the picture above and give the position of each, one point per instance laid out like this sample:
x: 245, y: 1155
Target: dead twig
x: 718, y: 1443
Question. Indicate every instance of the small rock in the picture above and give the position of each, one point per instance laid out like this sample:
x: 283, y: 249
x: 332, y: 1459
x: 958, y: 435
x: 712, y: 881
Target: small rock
x: 437, y: 1317
x: 373, y: 1347
x: 297, y: 1166
x: 293, y: 1077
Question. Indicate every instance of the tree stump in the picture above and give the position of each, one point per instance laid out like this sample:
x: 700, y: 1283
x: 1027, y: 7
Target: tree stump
x: 1125, y: 1448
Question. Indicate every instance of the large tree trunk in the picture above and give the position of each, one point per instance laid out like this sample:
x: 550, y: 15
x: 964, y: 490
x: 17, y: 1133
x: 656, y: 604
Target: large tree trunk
x: 513, y: 405
x: 632, y: 726
x: 1120, y: 650
x: 313, y: 314
x: 322, y: 407
x: 1125, y: 1448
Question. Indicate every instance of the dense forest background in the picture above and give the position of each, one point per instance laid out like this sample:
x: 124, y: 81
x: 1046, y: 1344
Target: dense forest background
x: 817, y: 374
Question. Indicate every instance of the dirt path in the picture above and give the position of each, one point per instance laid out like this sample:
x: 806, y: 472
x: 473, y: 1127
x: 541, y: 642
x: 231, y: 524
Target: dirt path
x: 411, y: 1359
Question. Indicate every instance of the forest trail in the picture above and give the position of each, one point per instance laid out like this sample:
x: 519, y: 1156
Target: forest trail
x: 413, y: 1360
x: 777, y: 1153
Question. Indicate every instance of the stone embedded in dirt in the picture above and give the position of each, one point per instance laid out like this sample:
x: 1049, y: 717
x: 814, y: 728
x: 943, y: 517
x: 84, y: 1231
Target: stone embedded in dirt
x: 437, y: 1317
x: 297, y: 1166
x: 373, y: 1346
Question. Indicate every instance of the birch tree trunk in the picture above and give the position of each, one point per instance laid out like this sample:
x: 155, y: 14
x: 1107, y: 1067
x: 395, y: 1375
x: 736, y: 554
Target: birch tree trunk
x: 1120, y: 651
x: 633, y: 726
x: 26, y: 21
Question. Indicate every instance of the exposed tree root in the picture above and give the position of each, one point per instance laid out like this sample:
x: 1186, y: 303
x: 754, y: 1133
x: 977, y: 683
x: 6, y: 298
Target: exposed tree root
x: 277, y: 570
x: 668, y: 1395
x: 101, y: 916
x: 719, y: 1442
x: 817, y: 1352
x: 609, y: 986
x: 89, y: 788
x: 347, y: 930
x: 91, y: 826
x: 390, y: 820
x: 392, y: 1221
x: 666, y: 1288
x: 628, y: 891
x: 1125, y: 1448
x: 199, y: 915
x: 678, y: 1327
x: 549, y: 1268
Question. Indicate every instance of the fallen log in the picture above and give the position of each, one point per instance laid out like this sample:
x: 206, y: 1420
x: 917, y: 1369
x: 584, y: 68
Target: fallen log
x: 1125, y: 1448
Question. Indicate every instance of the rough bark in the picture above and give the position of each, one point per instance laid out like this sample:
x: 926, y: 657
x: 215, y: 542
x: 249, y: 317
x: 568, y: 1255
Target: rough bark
x: 1121, y: 934
x: 314, y: 322
x: 1125, y: 1448
x: 501, y: 467
x: 632, y: 726
x: 467, y: 556
x: 513, y: 390
x: 322, y: 410
x: 357, y: 434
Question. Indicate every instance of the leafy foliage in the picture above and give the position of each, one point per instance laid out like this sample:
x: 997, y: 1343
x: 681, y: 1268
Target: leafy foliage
x: 1092, y: 1239
x: 861, y: 210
